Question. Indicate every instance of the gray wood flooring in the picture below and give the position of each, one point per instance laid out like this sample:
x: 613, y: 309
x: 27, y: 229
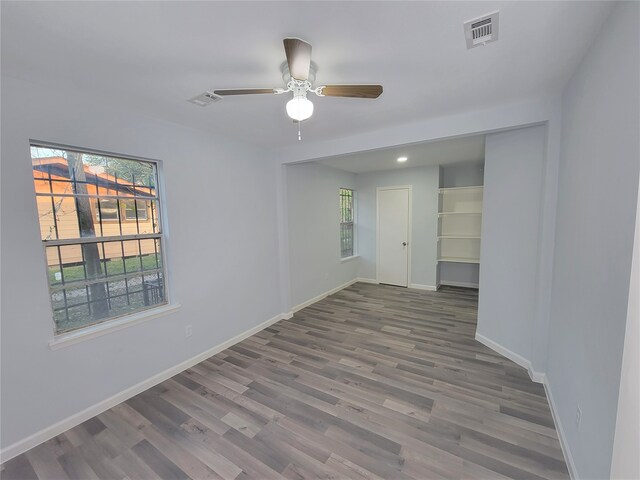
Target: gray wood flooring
x: 372, y: 382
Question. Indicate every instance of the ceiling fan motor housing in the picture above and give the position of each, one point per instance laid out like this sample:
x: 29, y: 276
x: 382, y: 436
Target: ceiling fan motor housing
x: 298, y: 87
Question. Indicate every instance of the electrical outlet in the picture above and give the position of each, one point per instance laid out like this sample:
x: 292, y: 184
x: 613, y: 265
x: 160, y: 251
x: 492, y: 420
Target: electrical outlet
x: 188, y: 331
x: 578, y: 416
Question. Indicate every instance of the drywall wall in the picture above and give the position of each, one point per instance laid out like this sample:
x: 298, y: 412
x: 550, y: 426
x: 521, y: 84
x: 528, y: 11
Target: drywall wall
x: 221, y: 239
x: 460, y: 175
x: 625, y: 462
x: 597, y: 199
x: 424, y: 182
x: 459, y: 274
x: 511, y: 222
x: 314, y: 230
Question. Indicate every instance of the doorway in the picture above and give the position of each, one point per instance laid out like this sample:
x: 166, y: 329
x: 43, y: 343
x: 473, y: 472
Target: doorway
x: 393, y: 235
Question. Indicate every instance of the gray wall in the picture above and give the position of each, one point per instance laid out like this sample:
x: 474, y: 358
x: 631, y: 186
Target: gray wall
x: 459, y: 274
x: 513, y: 177
x: 460, y: 175
x: 424, y: 182
x: 597, y: 198
x: 314, y: 230
x: 221, y: 238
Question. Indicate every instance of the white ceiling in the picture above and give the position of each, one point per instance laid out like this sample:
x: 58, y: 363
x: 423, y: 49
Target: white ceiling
x: 153, y: 56
x: 444, y: 152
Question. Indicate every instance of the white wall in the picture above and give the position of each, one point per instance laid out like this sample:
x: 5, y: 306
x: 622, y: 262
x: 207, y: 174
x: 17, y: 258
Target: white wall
x: 460, y: 175
x: 597, y: 199
x: 314, y: 230
x: 511, y: 222
x: 221, y: 212
x: 625, y: 463
x: 424, y: 182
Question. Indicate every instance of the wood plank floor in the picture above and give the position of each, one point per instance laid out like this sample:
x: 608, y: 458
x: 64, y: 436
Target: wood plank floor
x: 372, y: 382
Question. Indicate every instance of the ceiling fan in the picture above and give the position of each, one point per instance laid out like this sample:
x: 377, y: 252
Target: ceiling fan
x: 299, y: 75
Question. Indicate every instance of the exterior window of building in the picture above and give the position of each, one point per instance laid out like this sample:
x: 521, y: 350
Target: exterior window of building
x: 346, y: 222
x: 108, y: 210
x: 101, y: 230
x: 135, y: 210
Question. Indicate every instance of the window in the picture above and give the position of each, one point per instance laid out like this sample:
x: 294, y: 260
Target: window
x: 102, y: 234
x: 107, y: 210
x: 346, y: 223
x: 135, y: 210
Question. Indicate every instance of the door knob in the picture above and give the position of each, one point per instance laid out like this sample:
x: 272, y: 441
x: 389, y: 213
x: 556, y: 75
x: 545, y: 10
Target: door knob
x: 404, y: 244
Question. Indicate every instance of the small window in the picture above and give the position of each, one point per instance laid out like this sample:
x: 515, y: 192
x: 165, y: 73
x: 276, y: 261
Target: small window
x: 346, y: 222
x: 135, y: 210
x: 107, y: 209
x: 102, y: 234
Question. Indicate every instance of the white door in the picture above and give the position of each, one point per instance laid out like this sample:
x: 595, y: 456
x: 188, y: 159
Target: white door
x: 393, y: 236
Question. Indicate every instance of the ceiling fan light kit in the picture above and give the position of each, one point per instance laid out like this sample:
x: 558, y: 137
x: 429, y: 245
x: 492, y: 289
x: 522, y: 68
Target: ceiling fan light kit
x: 301, y: 73
x: 300, y: 108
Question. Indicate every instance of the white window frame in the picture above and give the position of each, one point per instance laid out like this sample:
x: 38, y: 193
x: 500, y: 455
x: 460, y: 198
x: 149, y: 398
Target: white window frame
x: 117, y: 322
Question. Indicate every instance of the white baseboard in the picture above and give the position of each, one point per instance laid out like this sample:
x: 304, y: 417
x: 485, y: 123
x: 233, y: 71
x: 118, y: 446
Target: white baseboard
x: 417, y: 286
x: 323, y: 295
x: 505, y: 352
x: 537, y: 377
x: 460, y: 284
x: 571, y: 466
x: 62, y: 426
x: 367, y: 280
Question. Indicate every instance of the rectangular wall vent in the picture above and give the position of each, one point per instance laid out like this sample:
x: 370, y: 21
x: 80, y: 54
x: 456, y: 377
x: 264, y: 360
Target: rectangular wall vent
x: 482, y: 30
x: 204, y: 99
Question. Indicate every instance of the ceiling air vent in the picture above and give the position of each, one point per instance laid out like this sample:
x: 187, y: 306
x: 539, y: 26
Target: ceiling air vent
x: 482, y: 30
x: 204, y: 99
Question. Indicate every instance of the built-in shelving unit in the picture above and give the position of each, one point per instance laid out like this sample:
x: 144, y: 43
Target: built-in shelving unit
x: 459, y: 224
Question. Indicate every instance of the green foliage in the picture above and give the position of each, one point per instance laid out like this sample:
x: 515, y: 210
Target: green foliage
x: 130, y: 170
x: 143, y: 173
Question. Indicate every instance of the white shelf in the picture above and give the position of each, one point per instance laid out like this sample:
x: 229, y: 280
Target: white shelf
x: 442, y: 214
x: 459, y: 260
x: 466, y: 237
x: 460, y: 224
x: 454, y: 189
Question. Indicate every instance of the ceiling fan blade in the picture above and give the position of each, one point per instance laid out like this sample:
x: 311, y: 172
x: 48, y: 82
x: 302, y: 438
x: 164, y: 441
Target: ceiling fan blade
x: 358, y: 91
x: 244, y: 91
x: 298, y: 54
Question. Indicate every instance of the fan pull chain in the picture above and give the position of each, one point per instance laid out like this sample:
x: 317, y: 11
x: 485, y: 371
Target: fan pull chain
x: 299, y: 136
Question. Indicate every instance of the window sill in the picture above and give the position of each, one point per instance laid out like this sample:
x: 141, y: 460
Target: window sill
x: 348, y: 259
x: 66, y: 339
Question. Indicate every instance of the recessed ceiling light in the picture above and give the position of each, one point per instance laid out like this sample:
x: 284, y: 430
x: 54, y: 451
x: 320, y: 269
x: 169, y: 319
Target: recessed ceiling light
x: 402, y: 159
